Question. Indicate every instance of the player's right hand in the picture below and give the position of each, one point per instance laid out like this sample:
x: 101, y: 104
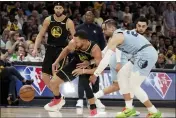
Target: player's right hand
x: 55, y: 67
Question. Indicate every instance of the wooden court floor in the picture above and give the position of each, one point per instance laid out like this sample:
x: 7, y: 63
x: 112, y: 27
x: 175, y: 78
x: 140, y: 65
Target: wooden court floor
x: 17, y: 112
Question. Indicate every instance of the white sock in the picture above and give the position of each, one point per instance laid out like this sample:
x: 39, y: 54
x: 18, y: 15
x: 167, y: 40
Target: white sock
x: 99, y: 94
x: 129, y: 104
x: 152, y: 109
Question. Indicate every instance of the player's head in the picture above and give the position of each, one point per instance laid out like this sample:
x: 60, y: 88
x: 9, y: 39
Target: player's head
x: 80, y: 38
x: 58, y: 8
x: 108, y: 27
x: 141, y: 25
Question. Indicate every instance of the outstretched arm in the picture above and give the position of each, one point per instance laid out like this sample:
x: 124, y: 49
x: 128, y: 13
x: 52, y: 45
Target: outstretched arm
x: 116, y: 40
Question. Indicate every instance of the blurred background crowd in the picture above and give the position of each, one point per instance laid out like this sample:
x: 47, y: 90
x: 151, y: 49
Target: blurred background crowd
x: 21, y: 22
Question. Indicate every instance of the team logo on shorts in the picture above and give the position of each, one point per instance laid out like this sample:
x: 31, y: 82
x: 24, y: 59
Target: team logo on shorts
x: 56, y: 31
x: 31, y: 72
x: 142, y: 63
x: 160, y: 82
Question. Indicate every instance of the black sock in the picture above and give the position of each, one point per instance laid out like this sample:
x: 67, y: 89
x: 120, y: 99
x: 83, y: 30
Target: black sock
x: 57, y: 97
x: 93, y: 106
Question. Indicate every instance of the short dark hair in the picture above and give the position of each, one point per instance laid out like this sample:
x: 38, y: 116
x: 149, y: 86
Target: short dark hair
x: 59, y: 4
x: 142, y: 19
x: 82, y: 34
x: 111, y: 22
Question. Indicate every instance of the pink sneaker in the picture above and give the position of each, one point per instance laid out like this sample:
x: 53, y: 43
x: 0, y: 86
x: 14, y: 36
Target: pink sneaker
x: 55, y: 104
x: 93, y: 112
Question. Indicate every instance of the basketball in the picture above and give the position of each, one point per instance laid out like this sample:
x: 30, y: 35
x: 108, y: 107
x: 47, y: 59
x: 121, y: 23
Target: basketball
x: 27, y: 93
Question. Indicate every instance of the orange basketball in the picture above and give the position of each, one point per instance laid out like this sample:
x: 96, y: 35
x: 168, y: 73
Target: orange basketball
x: 27, y: 93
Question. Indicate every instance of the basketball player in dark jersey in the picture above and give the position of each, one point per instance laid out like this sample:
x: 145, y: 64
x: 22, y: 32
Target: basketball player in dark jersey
x: 84, y: 50
x: 58, y: 27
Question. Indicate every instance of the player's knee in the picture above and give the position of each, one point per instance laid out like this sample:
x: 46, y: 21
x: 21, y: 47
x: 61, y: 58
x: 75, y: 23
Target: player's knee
x: 135, y: 81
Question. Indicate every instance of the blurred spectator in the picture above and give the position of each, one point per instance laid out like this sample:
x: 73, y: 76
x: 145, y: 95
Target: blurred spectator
x: 104, y: 13
x: 148, y: 9
x: 152, y: 22
x: 161, y: 61
x: 44, y: 15
x: 148, y: 34
x: 21, y: 18
x: 98, y: 20
x: 159, y: 22
x: 19, y: 54
x: 31, y: 58
x: 127, y: 13
x: 32, y: 41
x: 119, y: 13
x: 67, y: 10
x: 13, y: 41
x: 36, y: 16
x: 154, y: 41
x: 169, y: 16
x: 127, y: 23
x: 167, y: 42
x: 98, y: 5
x: 5, y: 35
x: 94, y: 31
x: 13, y: 24
x: 77, y: 19
x: 169, y: 57
x: 29, y: 26
x: 162, y: 44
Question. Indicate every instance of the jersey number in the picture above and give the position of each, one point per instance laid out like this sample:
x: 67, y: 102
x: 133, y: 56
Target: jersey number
x: 132, y: 33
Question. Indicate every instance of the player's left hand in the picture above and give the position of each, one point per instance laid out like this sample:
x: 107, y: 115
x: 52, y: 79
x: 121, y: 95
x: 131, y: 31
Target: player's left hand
x: 77, y: 72
x: 84, y: 64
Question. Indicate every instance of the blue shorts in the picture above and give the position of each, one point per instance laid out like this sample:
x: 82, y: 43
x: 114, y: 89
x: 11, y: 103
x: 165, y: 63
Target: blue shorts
x: 144, y: 61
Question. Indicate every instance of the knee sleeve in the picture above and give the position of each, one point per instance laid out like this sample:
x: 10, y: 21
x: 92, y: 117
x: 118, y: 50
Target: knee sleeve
x: 140, y: 94
x: 123, y: 82
x: 123, y: 78
x: 135, y: 82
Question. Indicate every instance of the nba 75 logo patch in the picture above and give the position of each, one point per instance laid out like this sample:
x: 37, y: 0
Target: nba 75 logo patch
x: 160, y: 82
x: 31, y: 72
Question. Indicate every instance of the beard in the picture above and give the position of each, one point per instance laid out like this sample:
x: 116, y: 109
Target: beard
x: 58, y: 14
x: 140, y: 32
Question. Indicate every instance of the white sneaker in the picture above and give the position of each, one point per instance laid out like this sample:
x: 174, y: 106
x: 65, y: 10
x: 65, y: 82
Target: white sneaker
x: 99, y: 104
x: 55, y: 104
x: 80, y: 103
